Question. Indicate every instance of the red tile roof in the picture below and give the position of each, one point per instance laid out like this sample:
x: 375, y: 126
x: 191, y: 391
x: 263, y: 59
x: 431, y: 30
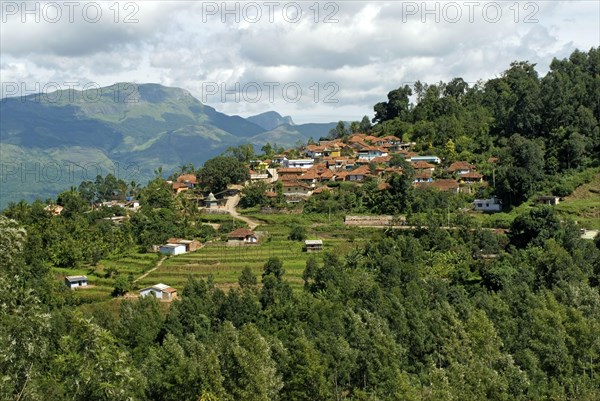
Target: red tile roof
x: 422, y: 165
x: 456, y: 166
x: 191, y: 178
x: 442, y: 185
x: 240, y: 233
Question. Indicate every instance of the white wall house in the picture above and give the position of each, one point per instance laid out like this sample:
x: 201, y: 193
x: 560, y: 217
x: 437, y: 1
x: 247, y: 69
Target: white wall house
x: 160, y: 291
x: 172, y: 249
x: 76, y: 281
x: 298, y: 163
x: 370, y: 153
x: 428, y: 159
x: 488, y: 205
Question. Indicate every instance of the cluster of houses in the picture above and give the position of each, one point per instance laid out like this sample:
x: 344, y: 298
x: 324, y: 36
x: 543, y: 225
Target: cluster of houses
x: 359, y: 158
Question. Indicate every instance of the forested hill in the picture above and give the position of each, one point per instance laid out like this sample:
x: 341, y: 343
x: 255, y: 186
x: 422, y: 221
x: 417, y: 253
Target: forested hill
x: 538, y: 127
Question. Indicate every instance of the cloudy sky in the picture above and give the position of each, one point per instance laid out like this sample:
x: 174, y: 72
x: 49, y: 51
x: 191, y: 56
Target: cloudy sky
x: 317, y: 62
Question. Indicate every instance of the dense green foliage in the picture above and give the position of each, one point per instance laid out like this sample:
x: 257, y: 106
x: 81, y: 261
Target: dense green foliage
x: 539, y: 128
x: 422, y: 313
x: 221, y: 171
x: 413, y: 316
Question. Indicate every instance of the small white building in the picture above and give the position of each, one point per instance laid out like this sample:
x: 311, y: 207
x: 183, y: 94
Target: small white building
x: 160, y: 291
x: 428, y: 159
x: 76, y: 281
x: 298, y: 163
x: 488, y: 205
x: 172, y: 249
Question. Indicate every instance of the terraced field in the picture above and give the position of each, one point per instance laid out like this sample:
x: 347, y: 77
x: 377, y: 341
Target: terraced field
x: 225, y: 263
x: 101, y: 283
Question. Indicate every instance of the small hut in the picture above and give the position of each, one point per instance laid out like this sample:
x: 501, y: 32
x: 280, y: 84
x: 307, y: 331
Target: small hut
x: 313, y: 245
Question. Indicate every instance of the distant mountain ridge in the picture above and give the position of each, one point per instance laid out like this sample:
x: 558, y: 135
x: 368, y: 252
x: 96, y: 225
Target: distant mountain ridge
x: 270, y: 120
x: 52, y: 142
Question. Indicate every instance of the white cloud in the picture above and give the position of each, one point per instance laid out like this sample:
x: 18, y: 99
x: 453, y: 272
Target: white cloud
x: 373, y: 48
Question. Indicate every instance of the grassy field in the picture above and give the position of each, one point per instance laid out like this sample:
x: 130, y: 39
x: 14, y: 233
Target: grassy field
x: 225, y: 263
x: 583, y: 205
x: 101, y: 284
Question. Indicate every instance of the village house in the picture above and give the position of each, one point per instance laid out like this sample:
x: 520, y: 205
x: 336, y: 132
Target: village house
x: 387, y: 140
x: 309, y: 178
x: 172, y: 249
x: 286, y: 174
x: 359, y: 174
x: 313, y: 245
x: 461, y: 168
x: 296, y: 188
x: 371, y: 152
x: 54, y: 210
x: 428, y: 159
x: 267, y: 175
x: 191, y: 245
x: 357, y: 138
x: 188, y: 179
x: 160, y: 291
x: 472, y: 177
x: 422, y: 165
x: 314, y: 151
x: 298, y: 163
x: 242, y: 236
x: 447, y: 185
x: 76, y: 281
x: 548, y: 200
x: 178, y: 187
x: 422, y: 176
x: 488, y: 205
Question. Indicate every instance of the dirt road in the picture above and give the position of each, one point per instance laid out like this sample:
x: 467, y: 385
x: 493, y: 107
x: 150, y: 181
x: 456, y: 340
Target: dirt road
x: 230, y: 207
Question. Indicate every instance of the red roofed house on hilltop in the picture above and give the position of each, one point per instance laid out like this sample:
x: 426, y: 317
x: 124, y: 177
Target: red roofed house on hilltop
x: 461, y: 168
x: 189, y: 179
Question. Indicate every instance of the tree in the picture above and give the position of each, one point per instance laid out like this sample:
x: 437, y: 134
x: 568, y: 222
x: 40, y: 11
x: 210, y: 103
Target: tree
x: 365, y: 125
x: 304, y: 376
x: 534, y: 227
x: 139, y: 325
x: 398, y: 105
x: 520, y: 171
x: 268, y: 150
x: 222, y: 171
x: 243, y: 153
x: 247, y: 279
x: 273, y: 266
x: 90, y: 366
x: 254, y: 194
x: 297, y: 233
x: 248, y: 370
x: 122, y: 286
x: 339, y: 131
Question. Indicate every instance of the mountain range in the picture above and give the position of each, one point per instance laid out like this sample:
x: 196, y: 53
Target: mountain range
x: 49, y: 142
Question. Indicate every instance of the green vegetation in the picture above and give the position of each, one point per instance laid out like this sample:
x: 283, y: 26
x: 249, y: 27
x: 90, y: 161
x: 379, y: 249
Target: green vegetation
x: 441, y: 308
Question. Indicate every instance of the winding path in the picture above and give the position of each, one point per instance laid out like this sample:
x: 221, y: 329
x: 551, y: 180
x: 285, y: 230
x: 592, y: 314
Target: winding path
x: 151, y: 270
x: 232, y: 202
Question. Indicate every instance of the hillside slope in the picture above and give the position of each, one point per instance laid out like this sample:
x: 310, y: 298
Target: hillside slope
x: 124, y: 125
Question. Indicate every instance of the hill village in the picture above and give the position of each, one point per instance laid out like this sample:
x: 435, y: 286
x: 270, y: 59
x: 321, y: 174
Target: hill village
x: 308, y: 170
